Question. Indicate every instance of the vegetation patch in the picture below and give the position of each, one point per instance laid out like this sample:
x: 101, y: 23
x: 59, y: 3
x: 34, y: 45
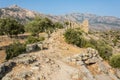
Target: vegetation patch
x: 10, y: 27
x: 32, y: 39
x: 14, y: 50
x: 115, y: 61
x: 73, y: 36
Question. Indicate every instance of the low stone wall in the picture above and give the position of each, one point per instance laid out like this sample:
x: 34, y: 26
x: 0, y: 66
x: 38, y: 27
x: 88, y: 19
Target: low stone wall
x: 36, y: 46
x: 91, y: 57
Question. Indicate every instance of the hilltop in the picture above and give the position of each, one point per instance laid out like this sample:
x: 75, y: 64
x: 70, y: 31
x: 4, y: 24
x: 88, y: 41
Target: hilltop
x: 61, y: 61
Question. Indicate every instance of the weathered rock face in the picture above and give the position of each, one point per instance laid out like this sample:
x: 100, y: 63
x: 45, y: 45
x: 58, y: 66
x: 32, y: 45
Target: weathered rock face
x: 38, y: 66
x: 91, y: 57
x: 51, y: 64
x: 83, y: 26
x: 5, y: 68
x: 31, y: 47
x: 35, y: 46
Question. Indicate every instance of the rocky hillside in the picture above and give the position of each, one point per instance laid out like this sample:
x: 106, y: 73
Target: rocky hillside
x: 96, y: 22
x: 18, y: 13
x: 61, y: 61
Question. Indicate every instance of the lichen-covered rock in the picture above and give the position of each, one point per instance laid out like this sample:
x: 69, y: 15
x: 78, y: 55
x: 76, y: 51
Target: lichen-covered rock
x: 25, y: 59
x: 5, y: 68
x: 31, y: 47
x: 90, y: 57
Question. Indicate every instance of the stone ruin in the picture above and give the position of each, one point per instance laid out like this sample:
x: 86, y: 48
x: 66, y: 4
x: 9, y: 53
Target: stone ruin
x: 83, y: 26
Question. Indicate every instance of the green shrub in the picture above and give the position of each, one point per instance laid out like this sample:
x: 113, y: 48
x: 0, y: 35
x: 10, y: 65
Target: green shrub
x: 32, y: 39
x: 73, y: 36
x: 14, y: 50
x: 91, y: 43
x: 115, y: 61
x: 58, y: 25
x: 105, y: 51
x: 41, y: 38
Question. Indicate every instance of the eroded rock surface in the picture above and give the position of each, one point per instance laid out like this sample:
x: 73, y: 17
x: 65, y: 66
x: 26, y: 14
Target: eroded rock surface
x: 60, y: 61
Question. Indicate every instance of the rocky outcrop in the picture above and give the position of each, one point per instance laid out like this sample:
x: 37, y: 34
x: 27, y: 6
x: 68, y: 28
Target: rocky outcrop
x: 6, y: 68
x: 91, y: 57
x: 29, y: 67
x: 36, y: 46
x: 55, y: 64
x: 31, y: 47
x: 88, y: 58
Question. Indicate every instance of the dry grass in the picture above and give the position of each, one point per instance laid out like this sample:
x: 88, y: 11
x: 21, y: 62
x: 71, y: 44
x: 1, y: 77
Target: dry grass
x: 5, y: 41
x: 2, y: 56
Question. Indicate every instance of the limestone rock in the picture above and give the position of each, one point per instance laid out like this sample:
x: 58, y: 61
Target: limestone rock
x: 31, y: 47
x: 5, y: 68
x: 118, y: 73
x: 25, y: 59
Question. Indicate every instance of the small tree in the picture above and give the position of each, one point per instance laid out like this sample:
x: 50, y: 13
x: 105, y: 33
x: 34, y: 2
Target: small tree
x: 2, y: 24
x: 32, y: 39
x: 73, y: 36
x: 39, y: 25
x: 14, y: 50
x: 10, y: 27
x: 33, y: 27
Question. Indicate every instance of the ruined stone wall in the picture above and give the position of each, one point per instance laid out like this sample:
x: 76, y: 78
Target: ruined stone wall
x: 83, y: 26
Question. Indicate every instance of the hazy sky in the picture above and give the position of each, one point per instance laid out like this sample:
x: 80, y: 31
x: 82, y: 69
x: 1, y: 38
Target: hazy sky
x: 99, y: 7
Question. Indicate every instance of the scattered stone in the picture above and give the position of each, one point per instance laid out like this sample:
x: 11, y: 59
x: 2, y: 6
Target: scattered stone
x: 91, y: 57
x: 85, y: 58
x: 40, y: 45
x: 90, y: 61
x: 24, y: 59
x: 80, y: 63
x: 47, y: 60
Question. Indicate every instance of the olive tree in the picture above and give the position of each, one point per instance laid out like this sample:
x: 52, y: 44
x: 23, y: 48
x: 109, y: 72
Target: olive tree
x: 10, y: 27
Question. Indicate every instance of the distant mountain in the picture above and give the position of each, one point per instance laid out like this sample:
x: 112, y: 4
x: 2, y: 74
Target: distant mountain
x: 96, y: 22
x: 19, y: 13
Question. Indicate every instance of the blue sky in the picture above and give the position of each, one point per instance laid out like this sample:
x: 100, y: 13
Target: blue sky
x: 99, y: 7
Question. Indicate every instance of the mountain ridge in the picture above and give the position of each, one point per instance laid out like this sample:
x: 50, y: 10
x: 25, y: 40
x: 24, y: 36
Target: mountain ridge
x: 95, y: 21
